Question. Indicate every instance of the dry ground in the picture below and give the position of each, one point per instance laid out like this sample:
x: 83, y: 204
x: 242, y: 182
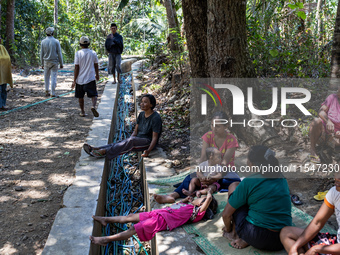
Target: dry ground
x: 39, y: 147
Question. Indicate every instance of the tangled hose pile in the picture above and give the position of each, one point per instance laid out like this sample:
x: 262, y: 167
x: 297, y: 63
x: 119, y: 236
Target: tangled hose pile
x: 124, y: 192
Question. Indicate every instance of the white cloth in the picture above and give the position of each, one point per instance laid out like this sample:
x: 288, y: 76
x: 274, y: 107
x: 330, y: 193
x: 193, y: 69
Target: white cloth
x: 86, y: 59
x: 50, y: 51
x: 333, y: 198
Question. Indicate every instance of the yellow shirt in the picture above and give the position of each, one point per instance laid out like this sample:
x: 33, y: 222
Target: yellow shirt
x: 5, y: 67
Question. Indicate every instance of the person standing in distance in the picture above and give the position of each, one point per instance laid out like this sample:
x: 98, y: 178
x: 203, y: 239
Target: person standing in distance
x: 50, y: 55
x: 86, y: 73
x: 5, y: 76
x: 114, y: 45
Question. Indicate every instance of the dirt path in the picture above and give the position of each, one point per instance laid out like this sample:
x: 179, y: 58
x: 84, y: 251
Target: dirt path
x: 39, y: 147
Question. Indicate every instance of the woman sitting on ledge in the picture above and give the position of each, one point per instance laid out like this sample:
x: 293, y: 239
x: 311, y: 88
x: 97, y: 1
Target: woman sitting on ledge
x: 144, y: 137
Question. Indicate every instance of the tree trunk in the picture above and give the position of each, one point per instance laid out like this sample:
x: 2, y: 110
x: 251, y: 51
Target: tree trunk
x: 318, y: 18
x: 173, y: 25
x: 195, y: 24
x: 0, y: 18
x: 335, y: 61
x: 217, y: 43
x: 55, y: 16
x: 227, y: 40
x: 10, y: 27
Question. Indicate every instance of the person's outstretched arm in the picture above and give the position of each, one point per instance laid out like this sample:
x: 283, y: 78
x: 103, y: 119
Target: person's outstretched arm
x: 152, y: 144
x: 207, y: 201
x: 313, y: 228
x: 333, y: 249
x: 227, y: 156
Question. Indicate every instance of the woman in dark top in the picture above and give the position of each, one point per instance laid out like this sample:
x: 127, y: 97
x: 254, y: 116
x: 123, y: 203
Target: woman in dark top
x: 144, y: 137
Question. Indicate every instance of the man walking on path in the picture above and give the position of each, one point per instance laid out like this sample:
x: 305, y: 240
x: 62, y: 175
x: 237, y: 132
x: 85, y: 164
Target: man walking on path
x: 50, y: 55
x: 114, y: 45
x: 86, y: 73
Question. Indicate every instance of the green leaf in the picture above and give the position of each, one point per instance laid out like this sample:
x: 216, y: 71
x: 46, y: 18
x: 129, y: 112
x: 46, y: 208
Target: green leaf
x: 274, y: 53
x: 302, y: 14
x: 122, y: 4
x: 292, y: 6
x: 300, y: 5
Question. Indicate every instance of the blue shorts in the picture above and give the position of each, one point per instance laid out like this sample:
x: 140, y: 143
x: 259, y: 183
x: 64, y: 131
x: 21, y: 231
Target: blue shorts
x: 184, y: 185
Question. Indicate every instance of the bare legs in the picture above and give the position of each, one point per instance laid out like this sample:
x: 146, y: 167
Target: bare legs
x: 315, y: 130
x: 164, y: 199
x: 81, y: 104
x: 236, y: 241
x: 289, y: 235
x: 117, y: 237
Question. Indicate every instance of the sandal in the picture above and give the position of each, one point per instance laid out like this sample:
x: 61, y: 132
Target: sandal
x: 97, y: 154
x: 87, y: 148
x: 94, y: 111
x: 295, y: 200
x: 315, y: 159
x: 82, y: 114
x: 320, y: 196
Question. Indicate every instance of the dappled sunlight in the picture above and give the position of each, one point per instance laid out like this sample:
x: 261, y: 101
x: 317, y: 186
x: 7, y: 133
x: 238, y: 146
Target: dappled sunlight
x: 32, y: 184
x: 60, y: 178
x: 8, y: 248
x: 6, y: 199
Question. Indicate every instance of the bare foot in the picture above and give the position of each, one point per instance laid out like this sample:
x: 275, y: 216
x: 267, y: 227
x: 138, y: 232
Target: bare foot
x: 186, y: 192
x: 229, y: 235
x: 99, y: 240
x: 239, y: 243
x: 101, y: 220
x: 163, y: 199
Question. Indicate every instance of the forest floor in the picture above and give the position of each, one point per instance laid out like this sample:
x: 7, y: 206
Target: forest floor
x: 40, y: 145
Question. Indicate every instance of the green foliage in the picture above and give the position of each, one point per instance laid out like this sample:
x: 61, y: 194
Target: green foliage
x: 283, y: 39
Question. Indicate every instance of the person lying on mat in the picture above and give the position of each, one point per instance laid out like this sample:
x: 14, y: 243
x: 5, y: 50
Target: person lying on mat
x: 207, y: 176
x: 326, y: 128
x: 147, y: 224
x: 259, y: 206
x: 144, y: 137
x: 310, y: 241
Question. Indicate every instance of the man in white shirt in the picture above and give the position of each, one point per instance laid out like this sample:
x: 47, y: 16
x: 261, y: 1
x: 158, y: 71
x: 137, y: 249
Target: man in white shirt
x: 86, y: 73
x: 50, y: 55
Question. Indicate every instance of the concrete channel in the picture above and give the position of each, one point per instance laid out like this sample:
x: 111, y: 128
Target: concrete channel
x: 73, y: 224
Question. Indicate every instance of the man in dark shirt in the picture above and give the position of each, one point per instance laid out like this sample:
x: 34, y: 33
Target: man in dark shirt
x: 114, y: 45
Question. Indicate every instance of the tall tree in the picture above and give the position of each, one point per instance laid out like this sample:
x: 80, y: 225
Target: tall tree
x: 195, y: 25
x: 227, y: 40
x: 10, y: 27
x: 335, y: 61
x: 217, y: 44
x: 55, y: 15
x: 173, y: 24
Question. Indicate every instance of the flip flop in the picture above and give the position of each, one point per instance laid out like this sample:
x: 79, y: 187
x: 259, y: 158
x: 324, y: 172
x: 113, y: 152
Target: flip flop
x: 87, y: 148
x: 96, y: 154
x: 315, y: 159
x: 295, y: 200
x: 320, y: 196
x: 94, y: 111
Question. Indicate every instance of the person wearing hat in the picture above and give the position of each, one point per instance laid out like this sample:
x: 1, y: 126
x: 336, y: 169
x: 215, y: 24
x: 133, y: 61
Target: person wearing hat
x: 114, y: 45
x: 51, y: 56
x: 86, y: 72
x: 5, y: 76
